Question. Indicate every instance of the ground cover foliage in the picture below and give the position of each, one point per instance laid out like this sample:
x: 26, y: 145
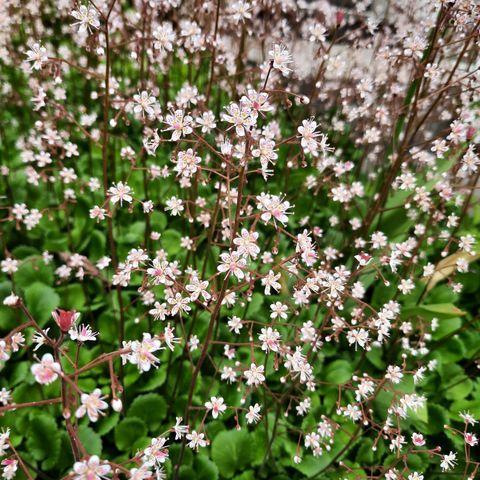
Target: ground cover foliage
x: 238, y: 239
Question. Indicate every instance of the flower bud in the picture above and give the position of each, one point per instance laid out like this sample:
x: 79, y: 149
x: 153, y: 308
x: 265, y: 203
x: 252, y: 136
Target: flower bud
x: 117, y: 404
x: 65, y: 319
x: 339, y: 16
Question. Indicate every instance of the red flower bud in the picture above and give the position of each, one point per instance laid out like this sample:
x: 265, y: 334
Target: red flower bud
x: 470, y: 133
x: 339, y: 16
x: 65, y: 319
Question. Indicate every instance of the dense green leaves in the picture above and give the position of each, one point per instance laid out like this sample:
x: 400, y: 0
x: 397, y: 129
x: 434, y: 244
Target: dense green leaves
x: 151, y: 408
x: 43, y: 440
x: 232, y: 451
x: 128, y: 432
x: 41, y: 300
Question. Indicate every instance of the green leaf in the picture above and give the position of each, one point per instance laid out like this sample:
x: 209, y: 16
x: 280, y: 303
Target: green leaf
x: 33, y: 269
x: 90, y: 439
x: 171, y: 241
x: 440, y: 310
x: 187, y: 473
x: 232, y: 451
x: 128, y: 431
x: 205, y: 468
x: 248, y: 475
x: 106, y: 424
x: 43, y: 439
x: 41, y: 300
x: 73, y: 297
x: 339, y: 371
x: 365, y: 454
x: 155, y: 379
x: 151, y: 408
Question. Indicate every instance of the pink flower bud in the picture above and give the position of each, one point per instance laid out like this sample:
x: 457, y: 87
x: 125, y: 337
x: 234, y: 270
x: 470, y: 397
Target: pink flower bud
x: 470, y: 133
x: 339, y: 16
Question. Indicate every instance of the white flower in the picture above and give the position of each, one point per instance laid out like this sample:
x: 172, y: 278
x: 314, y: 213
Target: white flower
x: 357, y: 337
x: 254, y: 375
x: 270, y: 339
x: 179, y: 124
x: 164, y: 36
x: 179, y: 429
x: 9, y: 265
x: 246, y: 243
x: 142, y: 352
x: 272, y: 206
x: 216, y: 406
x: 144, y: 103
x: 448, y: 461
x: 394, y: 374
x: 196, y: 440
x: 175, y: 206
x: 253, y: 414
x: 87, y: 17
x: 38, y: 55
x: 47, y: 370
x: 82, y: 333
x: 11, y: 300
x: 91, y: 469
x: 280, y: 58
x: 279, y: 310
x: 241, y: 117
x: 232, y: 263
x: 120, y: 192
x: 156, y: 453
x: 92, y: 405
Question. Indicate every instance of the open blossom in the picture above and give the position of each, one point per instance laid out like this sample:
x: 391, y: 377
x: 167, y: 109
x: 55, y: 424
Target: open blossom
x: 232, y: 263
x: 272, y: 206
x: 179, y: 124
x: 246, y: 243
x: 91, y: 469
x: 280, y: 58
x: 156, y: 453
x: 206, y: 121
x: 144, y: 103
x: 175, y: 206
x: 120, y: 192
x: 47, y: 370
x: 242, y: 117
x: 253, y: 414
x: 82, y: 333
x: 471, y: 439
x: 198, y: 288
x: 448, y: 461
x: 270, y: 339
x: 187, y: 163
x: 87, y: 17
x: 9, y: 265
x: 196, y: 440
x: 142, y: 352
x: 358, y: 337
x: 164, y: 37
x: 92, y: 405
x: 159, y: 311
x: 254, y: 375
x: 216, y: 406
x: 256, y: 101
x: 38, y: 55
x: 10, y: 467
